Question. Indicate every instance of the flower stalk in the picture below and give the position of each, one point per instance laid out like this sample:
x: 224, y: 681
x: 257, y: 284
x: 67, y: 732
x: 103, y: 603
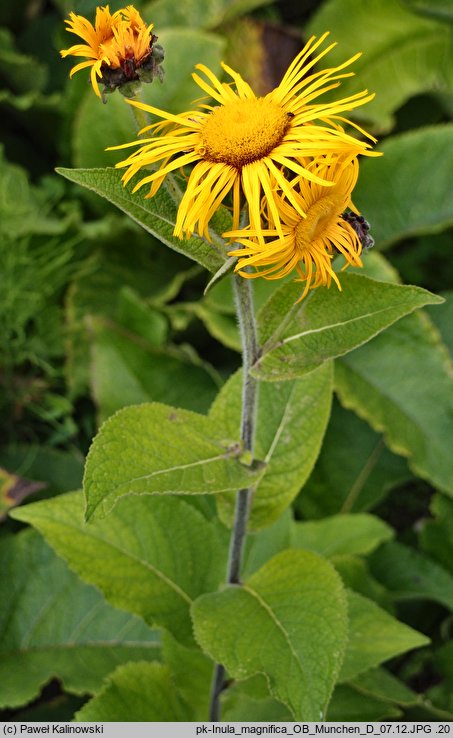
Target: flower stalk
x: 250, y: 348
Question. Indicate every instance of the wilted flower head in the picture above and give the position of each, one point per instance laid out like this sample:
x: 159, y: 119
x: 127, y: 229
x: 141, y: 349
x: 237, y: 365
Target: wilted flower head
x: 242, y: 146
x: 118, y: 48
x: 307, y: 244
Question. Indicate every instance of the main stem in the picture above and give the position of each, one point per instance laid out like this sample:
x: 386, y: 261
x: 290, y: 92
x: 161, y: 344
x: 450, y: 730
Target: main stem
x: 247, y: 325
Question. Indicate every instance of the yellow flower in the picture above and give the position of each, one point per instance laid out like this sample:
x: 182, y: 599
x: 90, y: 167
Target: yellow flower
x: 308, y: 244
x: 242, y: 143
x: 121, y: 41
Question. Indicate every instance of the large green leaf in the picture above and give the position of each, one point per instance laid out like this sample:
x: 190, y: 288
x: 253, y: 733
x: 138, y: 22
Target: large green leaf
x: 355, y: 470
x: 395, y: 210
x: 155, y: 448
x: 98, y: 126
x: 288, y: 621
x: 404, y: 54
x: 409, y: 574
x: 138, y: 692
x: 291, y: 420
x: 156, y: 215
x: 374, y: 637
x: 191, y: 671
x: 198, y: 13
x: 350, y: 705
x: 249, y: 701
x: 151, y: 556
x: 300, y: 336
x: 341, y: 534
x: 125, y: 370
x: 54, y: 625
x: 402, y: 384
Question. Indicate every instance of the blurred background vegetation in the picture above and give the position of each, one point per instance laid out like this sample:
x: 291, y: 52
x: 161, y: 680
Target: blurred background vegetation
x: 95, y: 314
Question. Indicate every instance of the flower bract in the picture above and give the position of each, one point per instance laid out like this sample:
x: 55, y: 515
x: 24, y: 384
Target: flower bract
x: 115, y: 48
x: 242, y: 146
x: 308, y: 244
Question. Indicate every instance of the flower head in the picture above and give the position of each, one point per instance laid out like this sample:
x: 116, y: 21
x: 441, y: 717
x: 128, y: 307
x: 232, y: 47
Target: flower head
x: 308, y: 244
x: 242, y: 145
x: 117, y: 47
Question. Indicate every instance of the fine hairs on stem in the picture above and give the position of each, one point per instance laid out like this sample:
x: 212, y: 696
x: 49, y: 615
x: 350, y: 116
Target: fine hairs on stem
x: 246, y: 317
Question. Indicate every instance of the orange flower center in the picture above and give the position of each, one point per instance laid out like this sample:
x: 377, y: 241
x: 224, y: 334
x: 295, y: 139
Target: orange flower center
x: 320, y: 217
x: 243, y: 131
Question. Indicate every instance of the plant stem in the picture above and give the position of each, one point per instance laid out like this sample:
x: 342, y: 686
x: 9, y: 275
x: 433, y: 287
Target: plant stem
x: 246, y: 316
x: 140, y: 116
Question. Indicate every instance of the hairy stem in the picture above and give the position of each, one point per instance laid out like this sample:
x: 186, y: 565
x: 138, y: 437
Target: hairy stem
x: 247, y: 325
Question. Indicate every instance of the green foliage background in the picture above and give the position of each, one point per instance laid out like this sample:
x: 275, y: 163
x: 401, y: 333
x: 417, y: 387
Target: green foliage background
x: 105, y: 620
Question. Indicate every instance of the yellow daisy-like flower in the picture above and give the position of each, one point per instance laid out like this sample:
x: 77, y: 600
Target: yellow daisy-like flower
x: 242, y: 144
x: 308, y: 244
x: 121, y: 41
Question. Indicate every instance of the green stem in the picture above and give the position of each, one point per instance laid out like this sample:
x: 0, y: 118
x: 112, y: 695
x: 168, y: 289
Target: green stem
x: 247, y: 325
x: 140, y: 116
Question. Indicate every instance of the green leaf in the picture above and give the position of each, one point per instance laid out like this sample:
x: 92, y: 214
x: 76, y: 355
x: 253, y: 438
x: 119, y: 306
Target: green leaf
x: 341, y: 534
x: 98, y: 126
x: 382, y: 684
x: 198, y: 13
x: 240, y: 706
x: 152, y: 556
x: 354, y: 471
x: 191, y: 672
x: 62, y: 471
x: 261, y: 546
x: 441, y: 9
x: 19, y: 72
x: 404, y: 54
x: 138, y: 692
x: 110, y: 280
x: 288, y: 622
x: 415, y: 210
x: 54, y: 625
x: 442, y: 693
x: 437, y: 534
x: 409, y: 574
x: 374, y: 637
x: 442, y: 317
x: 350, y: 705
x: 137, y: 316
x: 125, y: 370
x: 300, y: 336
x: 356, y: 575
x: 218, y: 313
x: 291, y: 421
x: 386, y: 383
x: 25, y: 209
x: 222, y: 327
x: 156, y: 215
x: 224, y: 271
x: 154, y: 448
